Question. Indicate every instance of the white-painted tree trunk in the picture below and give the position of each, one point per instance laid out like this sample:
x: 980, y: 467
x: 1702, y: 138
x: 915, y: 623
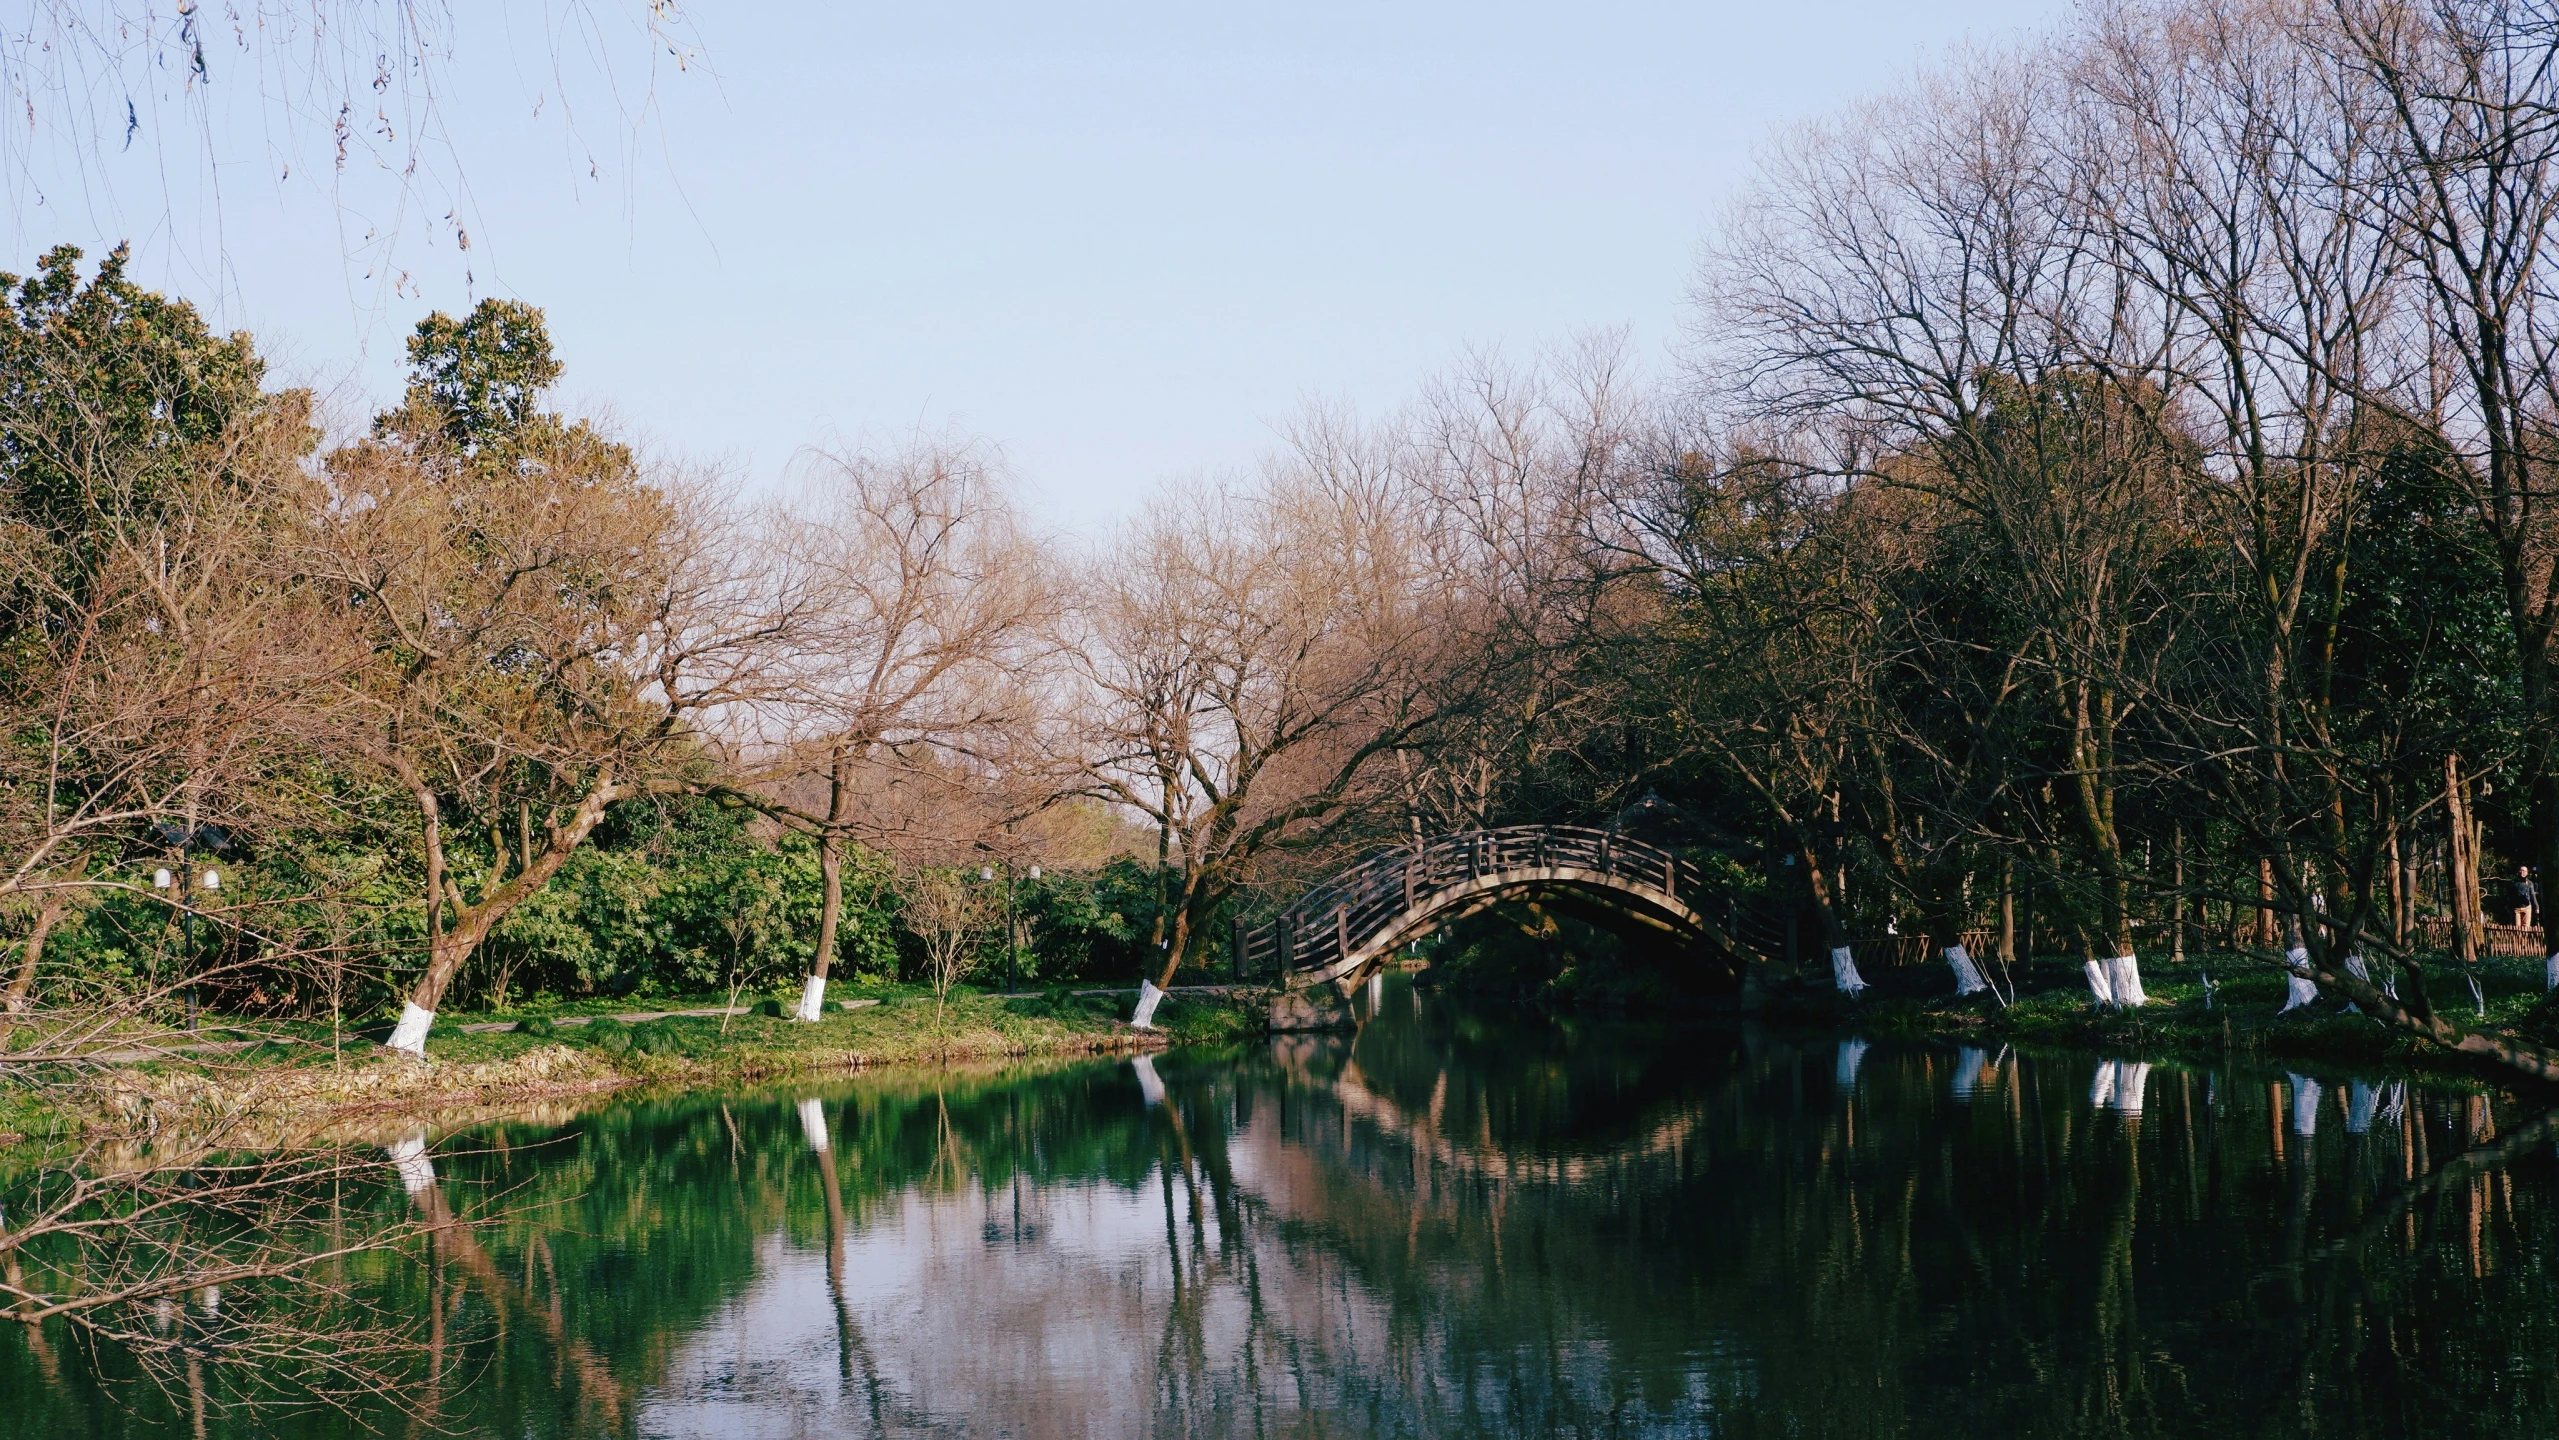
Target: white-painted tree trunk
x: 2123, y: 976
x: 2355, y: 967
x: 2550, y: 973
x: 2119, y: 1085
x: 813, y: 1123
x: 2301, y: 990
x: 410, y: 1159
x: 1148, y: 997
x: 1852, y: 1053
x: 1968, y: 979
x: 812, y: 999
x: 2361, y: 1102
x: 2305, y: 1105
x: 1969, y: 1063
x: 410, y: 1035
x: 2101, y: 983
x: 1149, y: 1084
x: 1843, y: 971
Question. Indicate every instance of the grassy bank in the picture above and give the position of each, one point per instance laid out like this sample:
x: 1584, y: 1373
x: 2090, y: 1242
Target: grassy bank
x: 2237, y: 1016
x: 280, y: 1083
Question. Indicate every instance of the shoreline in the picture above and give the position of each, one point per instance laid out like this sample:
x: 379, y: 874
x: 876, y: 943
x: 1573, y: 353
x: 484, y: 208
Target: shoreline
x: 267, y: 1094
x: 287, y: 1090
x: 2238, y: 1017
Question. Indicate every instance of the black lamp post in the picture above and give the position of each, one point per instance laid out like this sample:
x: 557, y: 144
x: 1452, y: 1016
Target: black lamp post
x: 190, y: 840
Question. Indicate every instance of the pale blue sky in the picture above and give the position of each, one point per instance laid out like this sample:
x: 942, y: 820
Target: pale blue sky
x: 1120, y: 243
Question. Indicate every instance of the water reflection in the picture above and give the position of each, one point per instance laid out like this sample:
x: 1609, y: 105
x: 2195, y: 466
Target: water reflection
x: 1459, y: 1223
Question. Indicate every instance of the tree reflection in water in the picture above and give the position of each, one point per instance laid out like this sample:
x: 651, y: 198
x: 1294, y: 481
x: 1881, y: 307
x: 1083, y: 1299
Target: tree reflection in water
x: 1462, y: 1223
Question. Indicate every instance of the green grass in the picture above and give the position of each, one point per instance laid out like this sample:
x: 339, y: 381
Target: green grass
x: 294, y: 1065
x: 2241, y: 1018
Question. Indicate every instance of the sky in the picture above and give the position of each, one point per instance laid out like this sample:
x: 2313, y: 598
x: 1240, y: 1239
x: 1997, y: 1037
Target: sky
x: 1121, y: 241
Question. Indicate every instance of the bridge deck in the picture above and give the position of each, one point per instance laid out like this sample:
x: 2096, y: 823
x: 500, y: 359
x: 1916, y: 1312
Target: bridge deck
x: 1341, y: 926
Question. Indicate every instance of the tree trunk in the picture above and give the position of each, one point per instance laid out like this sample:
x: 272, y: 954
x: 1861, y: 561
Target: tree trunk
x: 448, y: 949
x: 2263, y: 936
x: 2463, y: 864
x: 57, y: 901
x: 830, y: 869
x: 2007, y: 909
x: 22, y: 986
x: 2177, y: 896
x: 1843, y: 959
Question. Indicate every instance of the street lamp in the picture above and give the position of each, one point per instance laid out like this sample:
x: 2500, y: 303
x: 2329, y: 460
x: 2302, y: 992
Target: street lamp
x: 211, y: 880
x: 1012, y: 947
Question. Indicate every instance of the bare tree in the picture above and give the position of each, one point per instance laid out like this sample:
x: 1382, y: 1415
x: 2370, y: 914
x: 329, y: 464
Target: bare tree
x: 542, y: 641
x: 928, y: 600
x: 1251, y: 661
x: 1511, y: 470
x: 950, y: 917
x: 2467, y: 187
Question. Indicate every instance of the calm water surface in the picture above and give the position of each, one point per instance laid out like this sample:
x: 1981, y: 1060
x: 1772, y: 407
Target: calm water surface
x: 1464, y: 1223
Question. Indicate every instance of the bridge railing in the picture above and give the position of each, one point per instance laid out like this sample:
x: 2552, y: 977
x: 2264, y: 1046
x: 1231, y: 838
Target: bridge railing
x: 1349, y: 910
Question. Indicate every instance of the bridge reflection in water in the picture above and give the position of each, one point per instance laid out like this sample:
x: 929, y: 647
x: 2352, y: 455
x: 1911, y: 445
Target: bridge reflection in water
x: 1460, y: 1223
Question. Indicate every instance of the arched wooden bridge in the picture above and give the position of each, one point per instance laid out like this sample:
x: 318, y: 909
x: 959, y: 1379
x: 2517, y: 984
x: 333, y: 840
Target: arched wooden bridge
x: 1344, y: 929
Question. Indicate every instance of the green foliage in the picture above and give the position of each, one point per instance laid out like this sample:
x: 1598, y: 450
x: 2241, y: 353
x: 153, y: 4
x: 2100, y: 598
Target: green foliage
x: 477, y: 380
x: 109, y: 393
x: 1091, y: 926
x: 662, y: 1036
x: 681, y: 896
x: 607, y: 1034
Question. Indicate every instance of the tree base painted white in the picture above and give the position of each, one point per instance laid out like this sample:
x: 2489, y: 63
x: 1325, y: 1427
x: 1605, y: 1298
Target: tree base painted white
x: 2550, y: 973
x: 2355, y: 967
x: 1843, y: 971
x: 2301, y: 990
x: 1968, y: 979
x: 2118, y: 1085
x: 1149, y: 1084
x: 1970, y: 1061
x: 1852, y: 1053
x: 813, y: 1123
x: 812, y: 999
x: 409, y: 1036
x: 2101, y: 983
x: 2361, y: 1102
x: 2305, y: 1106
x: 2123, y: 976
x: 1148, y: 997
x: 416, y: 1168
x: 2132, y: 1080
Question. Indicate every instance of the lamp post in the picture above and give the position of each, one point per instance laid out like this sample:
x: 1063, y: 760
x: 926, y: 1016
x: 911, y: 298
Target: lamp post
x: 186, y: 885
x: 1012, y: 932
x: 987, y: 872
x: 1012, y: 925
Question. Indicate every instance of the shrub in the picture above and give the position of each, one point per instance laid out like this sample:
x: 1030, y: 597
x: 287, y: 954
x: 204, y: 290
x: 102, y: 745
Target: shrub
x: 769, y: 1009
x: 658, y: 1037
x: 539, y: 1027
x: 608, y: 1035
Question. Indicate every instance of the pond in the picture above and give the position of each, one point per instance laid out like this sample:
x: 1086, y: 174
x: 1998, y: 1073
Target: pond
x: 1467, y: 1222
